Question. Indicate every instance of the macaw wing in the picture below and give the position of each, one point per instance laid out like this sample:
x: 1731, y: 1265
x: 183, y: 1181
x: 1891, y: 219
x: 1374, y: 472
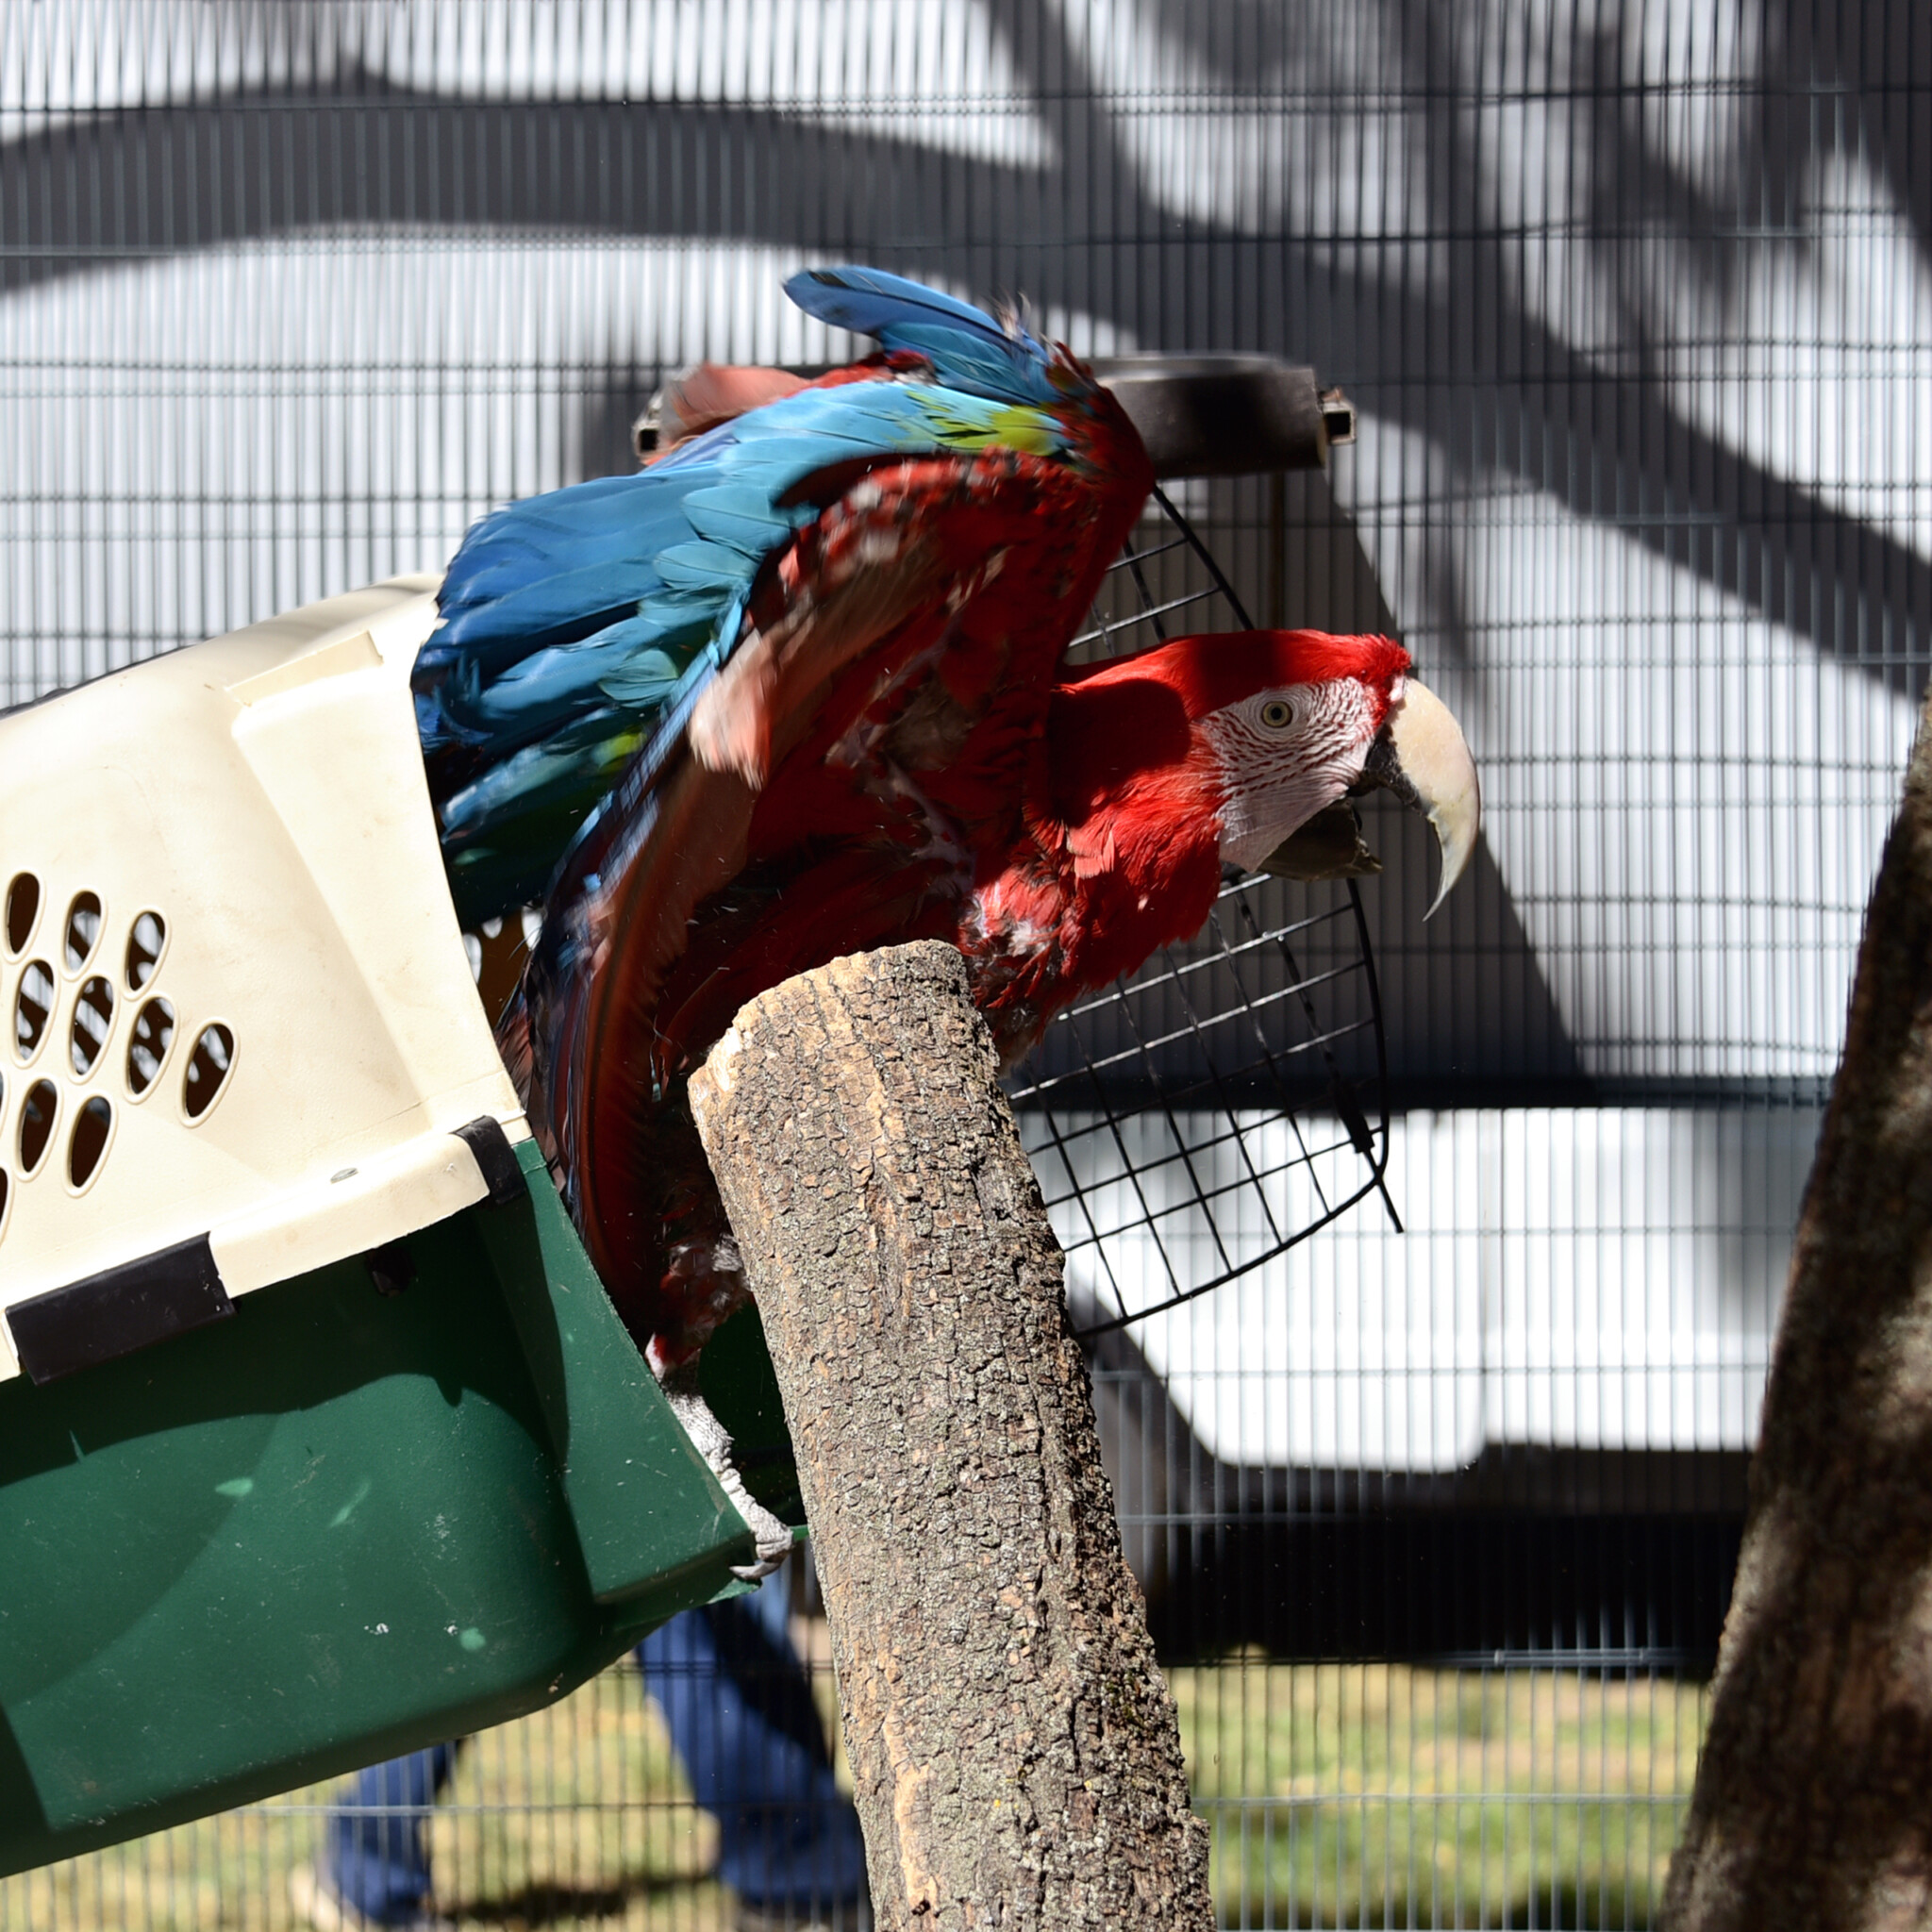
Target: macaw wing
x: 828, y: 788
x: 574, y: 624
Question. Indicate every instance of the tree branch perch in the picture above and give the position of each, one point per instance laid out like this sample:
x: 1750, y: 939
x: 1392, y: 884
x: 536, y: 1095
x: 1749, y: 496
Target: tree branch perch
x: 1014, y: 1748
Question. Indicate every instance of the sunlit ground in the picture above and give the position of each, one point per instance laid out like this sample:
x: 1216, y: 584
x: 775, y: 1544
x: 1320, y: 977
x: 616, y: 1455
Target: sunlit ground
x: 1339, y: 1795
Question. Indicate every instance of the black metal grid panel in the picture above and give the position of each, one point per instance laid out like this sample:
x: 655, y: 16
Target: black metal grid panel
x: 1188, y: 1131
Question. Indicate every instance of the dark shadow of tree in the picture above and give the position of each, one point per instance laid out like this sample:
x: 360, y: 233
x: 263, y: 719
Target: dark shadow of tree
x: 1498, y: 388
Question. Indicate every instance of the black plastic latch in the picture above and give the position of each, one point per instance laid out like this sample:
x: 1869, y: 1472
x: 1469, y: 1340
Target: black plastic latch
x: 119, y: 1310
x: 484, y: 1137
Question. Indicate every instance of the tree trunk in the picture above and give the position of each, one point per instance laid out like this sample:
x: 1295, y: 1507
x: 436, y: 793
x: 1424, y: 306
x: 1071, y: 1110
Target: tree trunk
x: 1813, y: 1802
x: 1014, y: 1745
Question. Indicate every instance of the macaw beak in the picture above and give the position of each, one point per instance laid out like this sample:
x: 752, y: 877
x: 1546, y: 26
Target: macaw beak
x: 1420, y: 755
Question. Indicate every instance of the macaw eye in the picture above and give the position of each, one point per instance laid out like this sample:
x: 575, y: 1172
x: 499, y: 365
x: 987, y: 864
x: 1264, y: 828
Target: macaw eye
x: 1277, y: 714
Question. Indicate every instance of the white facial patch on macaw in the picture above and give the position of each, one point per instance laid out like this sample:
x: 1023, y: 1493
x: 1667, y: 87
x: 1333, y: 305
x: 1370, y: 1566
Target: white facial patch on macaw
x: 1285, y: 753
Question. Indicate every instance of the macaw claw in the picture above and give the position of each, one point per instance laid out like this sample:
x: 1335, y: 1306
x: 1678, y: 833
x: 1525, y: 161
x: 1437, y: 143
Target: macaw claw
x: 770, y: 1538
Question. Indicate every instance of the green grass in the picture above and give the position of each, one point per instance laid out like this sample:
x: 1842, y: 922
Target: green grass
x: 577, y: 1817
x: 1380, y: 1795
x: 1339, y: 1795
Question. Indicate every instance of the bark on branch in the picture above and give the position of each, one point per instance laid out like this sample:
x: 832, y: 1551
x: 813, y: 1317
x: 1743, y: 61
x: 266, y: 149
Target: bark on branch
x: 1813, y: 1803
x: 1014, y: 1745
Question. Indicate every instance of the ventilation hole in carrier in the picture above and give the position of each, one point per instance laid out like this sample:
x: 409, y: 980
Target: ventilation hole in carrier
x: 83, y: 930
x: 144, y: 945
x: 93, y: 1014
x: 37, y: 1113
x: 148, y: 1045
x: 3, y: 1185
x: 89, y: 1140
x: 207, y: 1070
x: 23, y: 908
x: 32, y: 1005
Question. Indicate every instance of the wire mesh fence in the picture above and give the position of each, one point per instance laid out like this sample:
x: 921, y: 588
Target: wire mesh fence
x: 1634, y: 301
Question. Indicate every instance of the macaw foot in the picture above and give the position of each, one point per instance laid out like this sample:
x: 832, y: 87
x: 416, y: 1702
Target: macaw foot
x: 708, y: 1437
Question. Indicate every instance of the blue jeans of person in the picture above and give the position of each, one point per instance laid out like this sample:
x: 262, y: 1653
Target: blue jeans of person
x: 739, y: 1712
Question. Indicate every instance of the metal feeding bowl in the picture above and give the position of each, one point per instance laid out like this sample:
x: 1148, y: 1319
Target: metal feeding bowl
x: 1230, y: 1099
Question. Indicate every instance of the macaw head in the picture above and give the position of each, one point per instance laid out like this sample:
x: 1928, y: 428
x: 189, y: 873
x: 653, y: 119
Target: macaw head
x: 1284, y: 725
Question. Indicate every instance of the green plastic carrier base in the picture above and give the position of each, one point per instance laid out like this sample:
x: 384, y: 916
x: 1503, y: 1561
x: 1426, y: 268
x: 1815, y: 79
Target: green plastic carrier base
x: 337, y: 1525
x: 320, y: 1440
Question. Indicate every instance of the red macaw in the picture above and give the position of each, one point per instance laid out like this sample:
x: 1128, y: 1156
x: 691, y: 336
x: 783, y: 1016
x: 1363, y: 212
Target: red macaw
x: 870, y: 737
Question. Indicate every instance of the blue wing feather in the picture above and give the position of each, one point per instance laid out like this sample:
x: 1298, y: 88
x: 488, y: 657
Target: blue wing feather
x: 874, y: 302
x: 735, y: 514
x: 967, y: 347
x: 581, y: 626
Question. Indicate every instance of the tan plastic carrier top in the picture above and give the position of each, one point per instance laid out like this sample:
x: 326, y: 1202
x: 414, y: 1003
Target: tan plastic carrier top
x: 240, y: 1035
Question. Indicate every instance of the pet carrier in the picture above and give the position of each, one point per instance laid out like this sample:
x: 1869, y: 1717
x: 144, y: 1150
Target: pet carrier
x: 398, y: 1471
